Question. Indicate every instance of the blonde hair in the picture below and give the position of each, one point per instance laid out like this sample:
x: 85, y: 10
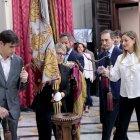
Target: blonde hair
x: 133, y: 36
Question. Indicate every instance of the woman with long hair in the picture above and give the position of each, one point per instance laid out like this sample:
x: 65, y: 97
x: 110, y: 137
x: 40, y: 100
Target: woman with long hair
x: 127, y: 68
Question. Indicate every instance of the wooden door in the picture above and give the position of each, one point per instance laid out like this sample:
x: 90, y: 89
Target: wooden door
x: 102, y: 19
x: 116, y: 4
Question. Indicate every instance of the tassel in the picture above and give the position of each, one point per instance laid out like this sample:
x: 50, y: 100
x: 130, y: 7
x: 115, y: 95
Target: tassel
x: 109, y: 101
x: 109, y: 94
x: 57, y: 107
x: 105, y: 82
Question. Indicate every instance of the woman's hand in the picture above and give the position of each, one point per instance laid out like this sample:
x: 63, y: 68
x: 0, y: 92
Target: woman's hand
x: 105, y: 73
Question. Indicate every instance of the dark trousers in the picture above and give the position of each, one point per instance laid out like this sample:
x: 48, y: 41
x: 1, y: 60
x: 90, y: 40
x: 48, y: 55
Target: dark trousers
x: 88, y: 99
x: 126, y: 109
x: 44, y: 125
x: 109, y: 119
x: 116, y: 123
x: 12, y: 123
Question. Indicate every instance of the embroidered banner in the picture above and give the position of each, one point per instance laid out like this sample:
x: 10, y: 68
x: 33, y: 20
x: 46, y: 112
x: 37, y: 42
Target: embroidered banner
x: 42, y: 44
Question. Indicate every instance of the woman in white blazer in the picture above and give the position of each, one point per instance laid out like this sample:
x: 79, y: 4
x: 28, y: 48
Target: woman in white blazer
x: 127, y: 67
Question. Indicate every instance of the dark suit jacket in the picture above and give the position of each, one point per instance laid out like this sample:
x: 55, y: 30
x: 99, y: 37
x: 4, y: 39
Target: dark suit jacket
x: 121, y: 47
x: 9, y: 89
x: 43, y: 99
x: 74, y: 56
x: 115, y: 86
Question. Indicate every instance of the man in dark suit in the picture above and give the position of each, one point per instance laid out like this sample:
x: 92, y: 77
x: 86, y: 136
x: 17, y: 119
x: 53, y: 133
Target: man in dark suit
x: 111, y: 53
x: 13, y: 77
x: 71, y: 54
x: 71, y: 57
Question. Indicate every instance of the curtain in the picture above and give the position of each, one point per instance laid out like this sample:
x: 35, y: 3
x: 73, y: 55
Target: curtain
x: 21, y: 27
x: 64, y: 16
x: 62, y: 11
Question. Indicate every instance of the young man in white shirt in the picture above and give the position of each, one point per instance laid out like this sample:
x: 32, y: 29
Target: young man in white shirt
x: 13, y: 77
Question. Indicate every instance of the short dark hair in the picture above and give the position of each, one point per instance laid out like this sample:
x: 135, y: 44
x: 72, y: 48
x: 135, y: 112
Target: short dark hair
x: 117, y: 33
x: 8, y: 36
x: 66, y: 34
x: 108, y: 31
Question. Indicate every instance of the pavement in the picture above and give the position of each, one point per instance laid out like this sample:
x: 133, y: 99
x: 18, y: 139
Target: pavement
x: 91, y: 127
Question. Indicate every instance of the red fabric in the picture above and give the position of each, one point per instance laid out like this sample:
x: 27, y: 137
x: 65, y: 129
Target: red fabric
x: 109, y: 101
x: 76, y: 75
x: 21, y: 27
x: 64, y: 16
x: 105, y: 83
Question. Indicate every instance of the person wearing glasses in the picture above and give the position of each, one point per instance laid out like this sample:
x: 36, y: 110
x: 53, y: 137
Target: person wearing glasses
x: 44, y: 104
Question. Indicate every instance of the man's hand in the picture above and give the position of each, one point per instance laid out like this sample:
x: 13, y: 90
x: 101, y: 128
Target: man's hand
x: 58, y: 96
x: 3, y: 112
x: 23, y: 75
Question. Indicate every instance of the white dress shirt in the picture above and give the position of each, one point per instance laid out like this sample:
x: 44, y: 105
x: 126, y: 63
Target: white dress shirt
x: 118, y: 45
x: 110, y: 51
x: 6, y: 66
x: 128, y: 70
x: 67, y: 55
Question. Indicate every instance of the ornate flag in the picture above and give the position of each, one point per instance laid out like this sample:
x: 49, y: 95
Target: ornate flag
x: 44, y: 62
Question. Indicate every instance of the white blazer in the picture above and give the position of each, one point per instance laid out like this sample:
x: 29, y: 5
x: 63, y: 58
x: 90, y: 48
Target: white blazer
x: 129, y: 71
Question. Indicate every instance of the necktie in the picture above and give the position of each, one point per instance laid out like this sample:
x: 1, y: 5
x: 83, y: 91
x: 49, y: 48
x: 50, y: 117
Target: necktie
x: 108, y: 54
x: 108, y: 59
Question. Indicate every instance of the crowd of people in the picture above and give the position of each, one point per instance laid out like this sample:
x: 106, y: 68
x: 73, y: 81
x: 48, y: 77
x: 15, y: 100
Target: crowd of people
x: 117, y: 68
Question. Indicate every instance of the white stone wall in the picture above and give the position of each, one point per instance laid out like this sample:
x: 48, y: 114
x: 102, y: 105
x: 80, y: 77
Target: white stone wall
x: 129, y: 19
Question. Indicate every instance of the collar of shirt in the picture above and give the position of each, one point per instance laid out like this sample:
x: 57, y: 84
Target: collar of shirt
x: 1, y: 58
x: 6, y: 63
x: 68, y: 53
x: 118, y: 45
x: 130, y: 54
x: 130, y: 59
x: 111, y: 50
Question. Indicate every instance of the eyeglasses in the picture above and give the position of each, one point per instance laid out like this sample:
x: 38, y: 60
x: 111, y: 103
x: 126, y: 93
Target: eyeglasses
x: 61, y: 54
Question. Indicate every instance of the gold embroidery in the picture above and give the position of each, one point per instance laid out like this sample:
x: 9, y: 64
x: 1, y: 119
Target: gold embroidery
x: 51, y: 70
x: 34, y: 13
